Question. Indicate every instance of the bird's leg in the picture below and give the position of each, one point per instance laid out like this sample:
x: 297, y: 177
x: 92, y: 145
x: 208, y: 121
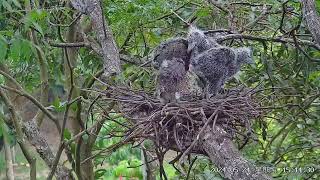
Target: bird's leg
x: 222, y: 90
x: 207, y: 92
x: 177, y: 97
x: 220, y: 86
x: 213, y: 89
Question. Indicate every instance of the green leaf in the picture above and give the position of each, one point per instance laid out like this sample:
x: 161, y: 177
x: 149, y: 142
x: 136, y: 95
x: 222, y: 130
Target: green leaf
x: 318, y: 6
x: 99, y: 173
x: 134, y: 162
x: 73, y: 147
x: 21, y: 50
x: 121, y: 169
x: 38, y: 28
x: 66, y: 134
x: 204, y: 12
x: 7, y: 6
x: 56, y: 103
x: 74, y: 107
x: 15, y: 49
x: 32, y: 20
x: 16, y: 3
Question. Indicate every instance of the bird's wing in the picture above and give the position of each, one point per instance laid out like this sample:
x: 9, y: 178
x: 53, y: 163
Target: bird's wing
x: 224, y: 55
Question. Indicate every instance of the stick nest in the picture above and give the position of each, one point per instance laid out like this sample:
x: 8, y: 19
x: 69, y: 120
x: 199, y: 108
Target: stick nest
x: 180, y: 125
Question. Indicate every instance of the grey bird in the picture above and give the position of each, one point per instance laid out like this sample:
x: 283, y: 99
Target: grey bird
x: 212, y: 68
x: 170, y: 80
x: 198, y: 42
x: 219, y: 64
x: 244, y: 55
x: 172, y: 48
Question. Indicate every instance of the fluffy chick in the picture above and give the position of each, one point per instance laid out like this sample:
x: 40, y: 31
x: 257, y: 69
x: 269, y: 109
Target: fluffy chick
x: 170, y: 80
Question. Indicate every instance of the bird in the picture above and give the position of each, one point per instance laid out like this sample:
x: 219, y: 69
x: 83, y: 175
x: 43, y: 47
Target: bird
x: 171, y: 48
x: 244, y: 55
x: 211, y: 66
x: 198, y: 42
x: 217, y: 65
x: 172, y: 74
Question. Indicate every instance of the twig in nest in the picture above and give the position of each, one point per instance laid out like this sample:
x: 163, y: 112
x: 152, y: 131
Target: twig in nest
x: 215, y: 115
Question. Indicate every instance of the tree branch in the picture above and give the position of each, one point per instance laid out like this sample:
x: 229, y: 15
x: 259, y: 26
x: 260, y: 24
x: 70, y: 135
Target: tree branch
x: 229, y: 161
x: 266, y: 39
x: 110, y: 52
x: 44, y: 91
x: 19, y: 134
x: 7, y: 152
x: 42, y: 147
x: 36, y: 102
x: 311, y: 18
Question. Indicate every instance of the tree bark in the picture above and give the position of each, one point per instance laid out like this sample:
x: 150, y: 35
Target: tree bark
x: 311, y: 18
x: 111, y: 64
x: 110, y: 53
x: 42, y: 147
x: 148, y: 168
x: 8, y: 155
x: 16, y: 121
x: 227, y: 158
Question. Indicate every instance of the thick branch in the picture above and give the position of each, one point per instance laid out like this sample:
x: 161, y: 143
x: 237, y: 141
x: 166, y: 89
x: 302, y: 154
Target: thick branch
x: 230, y: 163
x: 110, y: 52
x: 19, y: 134
x: 30, y: 128
x: 37, y: 140
x: 7, y: 152
x: 44, y: 76
x: 311, y: 18
x: 42, y: 147
x: 36, y: 102
x: 267, y: 39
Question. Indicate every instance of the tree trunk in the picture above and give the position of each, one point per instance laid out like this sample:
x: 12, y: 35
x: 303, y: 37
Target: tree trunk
x: 42, y: 147
x: 110, y: 53
x: 149, y: 166
x: 227, y: 158
x: 311, y: 18
x: 8, y: 156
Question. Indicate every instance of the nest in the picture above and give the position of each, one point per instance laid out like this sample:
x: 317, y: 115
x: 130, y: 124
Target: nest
x: 179, y: 126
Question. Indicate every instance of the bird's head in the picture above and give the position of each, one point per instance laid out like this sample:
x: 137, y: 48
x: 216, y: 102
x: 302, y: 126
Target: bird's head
x: 194, y: 35
x: 245, y: 55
